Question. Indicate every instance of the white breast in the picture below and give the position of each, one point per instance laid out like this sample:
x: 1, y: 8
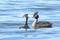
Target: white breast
x: 33, y: 24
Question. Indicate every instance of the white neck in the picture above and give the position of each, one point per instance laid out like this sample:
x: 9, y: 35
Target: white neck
x: 34, y: 23
x: 35, y: 20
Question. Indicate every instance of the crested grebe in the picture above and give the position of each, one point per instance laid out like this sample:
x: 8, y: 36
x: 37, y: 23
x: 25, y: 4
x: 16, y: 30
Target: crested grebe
x: 26, y: 23
x: 37, y: 24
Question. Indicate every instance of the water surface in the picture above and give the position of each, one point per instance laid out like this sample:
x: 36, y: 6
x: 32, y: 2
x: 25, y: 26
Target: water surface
x: 11, y: 12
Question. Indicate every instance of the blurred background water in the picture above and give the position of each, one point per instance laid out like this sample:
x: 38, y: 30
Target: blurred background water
x: 11, y: 12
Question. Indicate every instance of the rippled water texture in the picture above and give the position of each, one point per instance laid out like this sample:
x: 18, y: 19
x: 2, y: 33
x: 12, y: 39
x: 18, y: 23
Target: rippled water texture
x: 11, y: 12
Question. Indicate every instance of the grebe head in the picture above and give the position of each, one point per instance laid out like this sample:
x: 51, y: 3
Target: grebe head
x: 36, y: 16
x: 26, y: 16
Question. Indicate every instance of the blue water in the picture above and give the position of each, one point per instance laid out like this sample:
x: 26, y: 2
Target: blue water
x: 11, y: 12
